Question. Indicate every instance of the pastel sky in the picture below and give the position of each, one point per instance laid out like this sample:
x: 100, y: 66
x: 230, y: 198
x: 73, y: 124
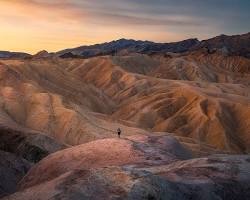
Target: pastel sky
x: 33, y: 25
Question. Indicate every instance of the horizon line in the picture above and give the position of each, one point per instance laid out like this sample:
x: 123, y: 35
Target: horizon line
x: 114, y: 40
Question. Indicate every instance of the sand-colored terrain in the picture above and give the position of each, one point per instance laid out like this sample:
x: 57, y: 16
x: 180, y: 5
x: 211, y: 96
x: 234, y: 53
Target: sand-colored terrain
x: 61, y: 116
x: 211, y: 111
x: 80, y: 100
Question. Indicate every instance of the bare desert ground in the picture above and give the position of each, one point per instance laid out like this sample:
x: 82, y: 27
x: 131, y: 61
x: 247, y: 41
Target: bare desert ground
x: 185, y: 121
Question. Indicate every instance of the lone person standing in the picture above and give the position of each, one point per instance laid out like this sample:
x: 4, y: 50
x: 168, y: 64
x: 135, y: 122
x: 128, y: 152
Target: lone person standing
x: 119, y: 131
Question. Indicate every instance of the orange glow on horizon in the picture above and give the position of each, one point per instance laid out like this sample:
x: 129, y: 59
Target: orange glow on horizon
x: 30, y: 26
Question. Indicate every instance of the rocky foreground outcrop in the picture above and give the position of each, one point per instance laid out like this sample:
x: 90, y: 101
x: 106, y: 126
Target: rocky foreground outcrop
x: 136, y: 168
x: 19, y: 150
x: 32, y: 146
x: 12, y: 170
x: 136, y: 150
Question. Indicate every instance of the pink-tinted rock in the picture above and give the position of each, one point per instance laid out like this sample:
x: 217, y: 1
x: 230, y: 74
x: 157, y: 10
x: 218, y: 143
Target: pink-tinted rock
x: 219, y: 177
x: 135, y: 150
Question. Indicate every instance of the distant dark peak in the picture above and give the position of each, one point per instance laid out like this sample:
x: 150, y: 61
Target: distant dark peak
x: 237, y: 45
x: 192, y: 41
x: 124, y: 40
x: 196, y: 40
x: 122, y: 43
x: 8, y: 54
x: 42, y: 54
x: 69, y: 55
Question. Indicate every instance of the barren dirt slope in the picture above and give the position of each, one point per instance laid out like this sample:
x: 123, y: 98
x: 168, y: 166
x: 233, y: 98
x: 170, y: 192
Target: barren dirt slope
x: 80, y: 100
x: 217, y: 113
x: 171, y: 108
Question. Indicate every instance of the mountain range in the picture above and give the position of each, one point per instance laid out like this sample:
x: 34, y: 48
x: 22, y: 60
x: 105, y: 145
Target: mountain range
x: 233, y: 45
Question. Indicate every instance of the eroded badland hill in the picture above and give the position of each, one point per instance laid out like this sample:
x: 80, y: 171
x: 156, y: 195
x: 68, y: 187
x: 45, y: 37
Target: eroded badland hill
x: 183, y: 108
